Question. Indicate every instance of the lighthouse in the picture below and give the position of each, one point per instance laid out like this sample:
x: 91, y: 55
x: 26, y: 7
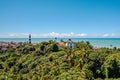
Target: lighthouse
x: 29, y: 38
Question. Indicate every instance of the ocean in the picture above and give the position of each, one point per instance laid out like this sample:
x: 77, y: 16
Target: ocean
x: 96, y: 42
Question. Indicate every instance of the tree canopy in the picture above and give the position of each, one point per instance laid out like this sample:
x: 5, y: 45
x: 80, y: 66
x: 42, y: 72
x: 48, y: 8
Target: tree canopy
x: 48, y: 61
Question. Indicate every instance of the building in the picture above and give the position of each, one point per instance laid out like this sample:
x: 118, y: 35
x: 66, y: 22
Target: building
x: 69, y: 43
x: 61, y: 43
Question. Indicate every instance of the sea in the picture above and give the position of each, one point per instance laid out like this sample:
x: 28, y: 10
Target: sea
x: 96, y: 42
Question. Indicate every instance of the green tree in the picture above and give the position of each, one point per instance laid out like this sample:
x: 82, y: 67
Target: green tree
x: 111, y: 66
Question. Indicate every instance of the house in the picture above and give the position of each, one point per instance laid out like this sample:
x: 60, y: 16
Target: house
x: 69, y: 43
x: 4, y: 49
x: 61, y: 43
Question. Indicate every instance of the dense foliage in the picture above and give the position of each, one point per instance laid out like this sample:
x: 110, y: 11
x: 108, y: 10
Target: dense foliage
x: 48, y: 61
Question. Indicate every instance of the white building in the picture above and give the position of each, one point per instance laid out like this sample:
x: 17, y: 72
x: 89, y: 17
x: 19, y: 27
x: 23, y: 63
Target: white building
x: 69, y: 43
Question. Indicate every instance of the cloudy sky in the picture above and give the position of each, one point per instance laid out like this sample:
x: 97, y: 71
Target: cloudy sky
x: 59, y: 18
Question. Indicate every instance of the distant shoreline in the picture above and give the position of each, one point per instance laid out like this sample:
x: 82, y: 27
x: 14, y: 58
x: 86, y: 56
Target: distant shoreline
x: 64, y: 37
x: 96, y: 42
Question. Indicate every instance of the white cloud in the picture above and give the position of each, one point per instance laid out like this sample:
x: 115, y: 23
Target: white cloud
x: 11, y: 35
x: 54, y: 34
x: 81, y: 35
x: 105, y: 35
x: 110, y: 35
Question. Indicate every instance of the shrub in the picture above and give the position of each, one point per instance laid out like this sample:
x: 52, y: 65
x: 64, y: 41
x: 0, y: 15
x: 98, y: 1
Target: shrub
x: 24, y: 71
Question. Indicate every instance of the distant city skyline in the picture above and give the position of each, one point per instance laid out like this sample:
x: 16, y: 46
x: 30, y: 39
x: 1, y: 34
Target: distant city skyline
x: 59, y: 18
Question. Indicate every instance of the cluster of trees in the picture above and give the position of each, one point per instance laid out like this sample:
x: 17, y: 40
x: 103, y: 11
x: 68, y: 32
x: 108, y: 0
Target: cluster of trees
x: 48, y: 61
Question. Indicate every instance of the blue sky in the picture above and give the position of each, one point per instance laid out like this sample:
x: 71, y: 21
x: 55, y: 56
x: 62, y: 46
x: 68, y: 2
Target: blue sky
x: 60, y: 18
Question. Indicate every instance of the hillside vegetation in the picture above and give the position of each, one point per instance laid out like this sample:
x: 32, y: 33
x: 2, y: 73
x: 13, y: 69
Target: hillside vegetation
x: 48, y: 61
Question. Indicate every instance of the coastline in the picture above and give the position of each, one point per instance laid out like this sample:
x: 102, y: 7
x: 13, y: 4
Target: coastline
x: 96, y: 42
